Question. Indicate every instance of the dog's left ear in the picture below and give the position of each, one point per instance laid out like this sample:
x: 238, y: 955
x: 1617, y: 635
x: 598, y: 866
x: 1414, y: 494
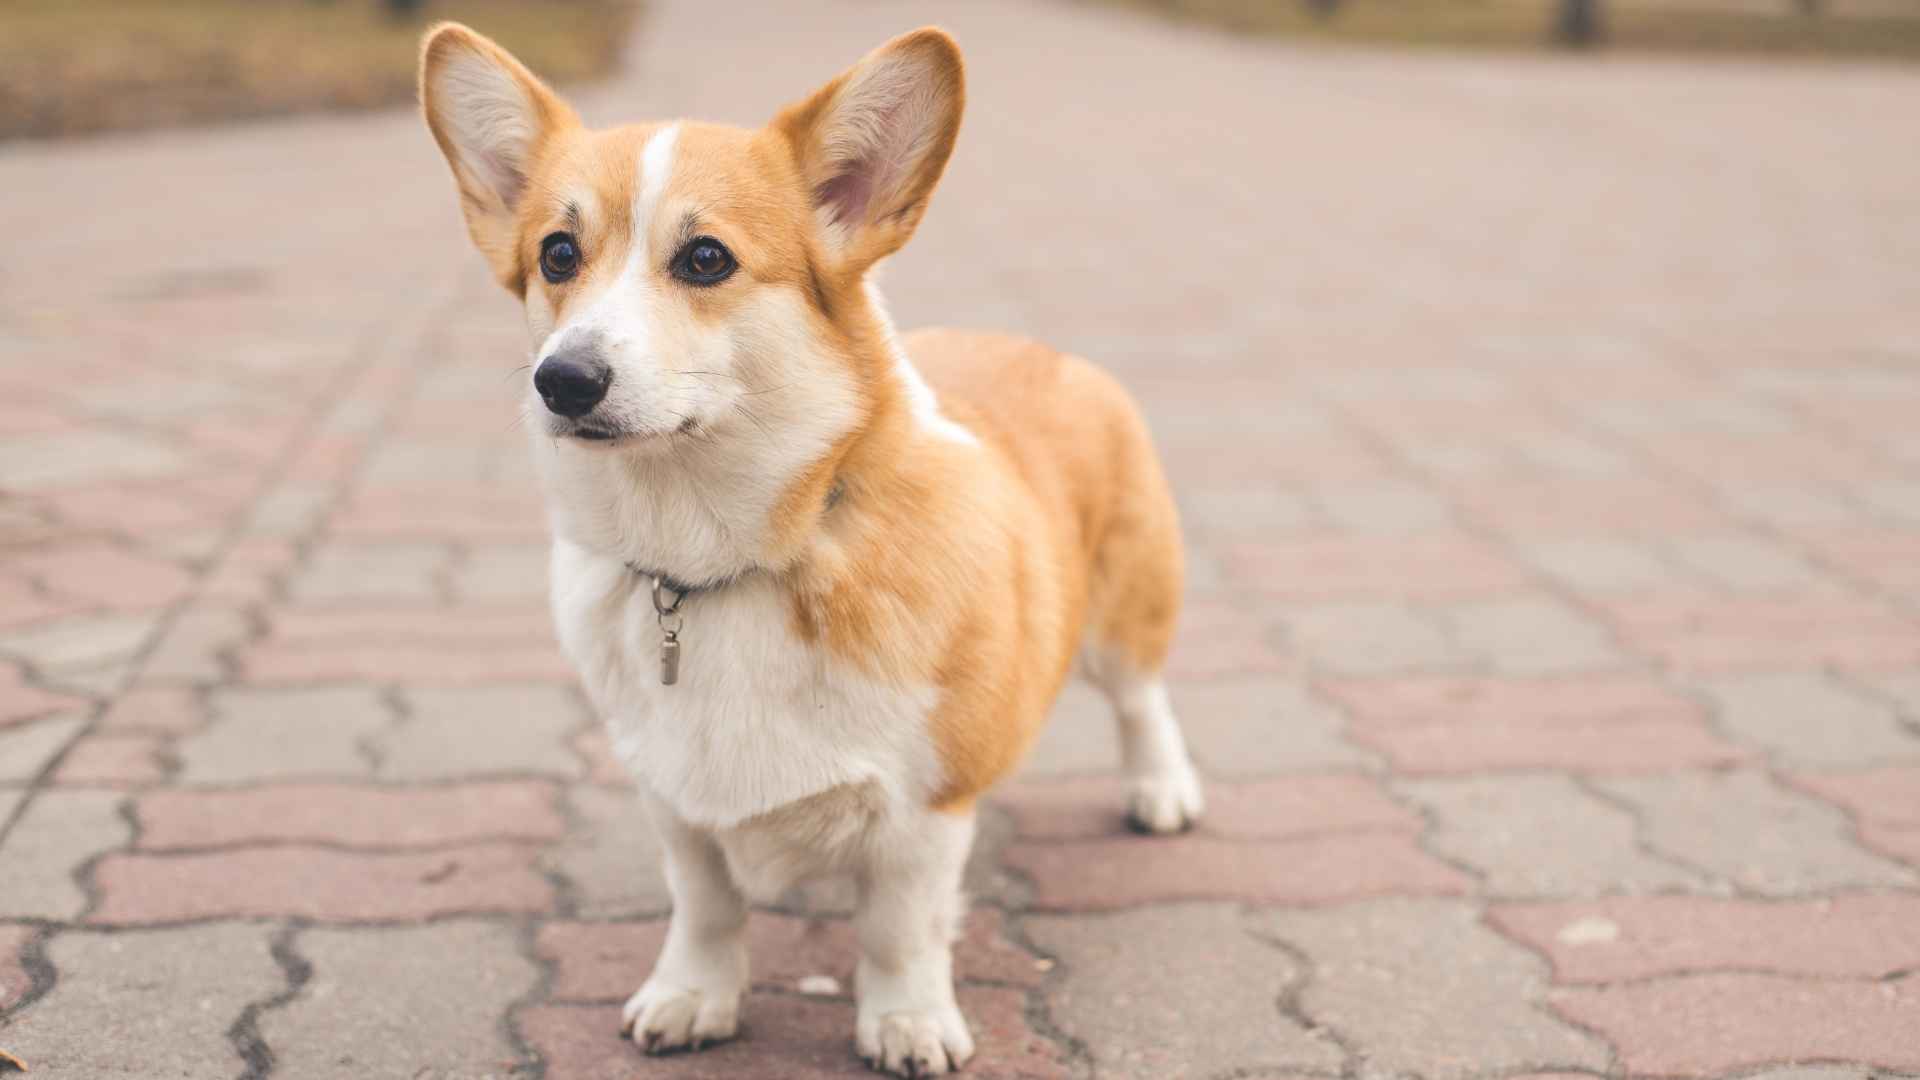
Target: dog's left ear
x: 872, y: 143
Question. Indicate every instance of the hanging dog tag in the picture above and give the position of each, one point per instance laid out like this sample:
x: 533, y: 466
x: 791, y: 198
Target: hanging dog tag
x: 669, y: 660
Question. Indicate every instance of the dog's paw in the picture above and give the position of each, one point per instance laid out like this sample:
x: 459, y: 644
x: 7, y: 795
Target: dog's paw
x: 662, y: 1018
x: 915, y: 1043
x: 1167, y: 802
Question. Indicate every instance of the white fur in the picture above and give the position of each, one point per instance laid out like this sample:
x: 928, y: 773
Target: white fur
x: 920, y: 396
x: 1166, y: 794
x: 758, y: 719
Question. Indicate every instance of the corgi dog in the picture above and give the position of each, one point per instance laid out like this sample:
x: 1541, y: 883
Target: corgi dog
x: 821, y: 580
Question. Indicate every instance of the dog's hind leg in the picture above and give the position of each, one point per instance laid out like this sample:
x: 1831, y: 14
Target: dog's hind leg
x: 1164, y: 793
x: 692, y: 998
x: 909, y: 913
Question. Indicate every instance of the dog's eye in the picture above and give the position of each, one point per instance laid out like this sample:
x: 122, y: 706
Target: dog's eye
x: 559, y: 257
x: 704, y: 261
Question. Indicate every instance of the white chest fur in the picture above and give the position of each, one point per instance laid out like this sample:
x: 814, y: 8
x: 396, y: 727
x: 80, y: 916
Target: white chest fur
x: 758, y: 720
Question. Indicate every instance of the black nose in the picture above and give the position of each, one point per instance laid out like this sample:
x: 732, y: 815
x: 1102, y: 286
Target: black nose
x: 572, y: 382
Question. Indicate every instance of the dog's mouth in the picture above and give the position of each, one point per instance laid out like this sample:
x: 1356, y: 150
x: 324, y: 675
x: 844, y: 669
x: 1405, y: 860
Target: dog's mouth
x: 606, y: 435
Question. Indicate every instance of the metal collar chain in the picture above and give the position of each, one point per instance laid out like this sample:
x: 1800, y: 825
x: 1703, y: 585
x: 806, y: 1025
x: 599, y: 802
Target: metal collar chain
x: 666, y: 608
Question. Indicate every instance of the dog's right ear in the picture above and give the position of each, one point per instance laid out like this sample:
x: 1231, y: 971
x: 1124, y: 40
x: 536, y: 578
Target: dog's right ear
x: 492, y: 118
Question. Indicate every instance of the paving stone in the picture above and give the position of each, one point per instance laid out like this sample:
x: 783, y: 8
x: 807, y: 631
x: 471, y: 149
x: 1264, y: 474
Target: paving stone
x: 1106, y: 873
x: 1601, y: 564
x: 113, y: 760
x: 1858, y: 935
x: 26, y: 749
x: 1531, y: 635
x: 1744, y: 562
x: 194, y: 641
x: 1130, y: 982
x: 1384, y: 508
x: 1712, y: 1024
x: 399, y: 1003
x: 107, y: 575
x: 1807, y: 720
x: 1254, y: 726
x: 1767, y: 634
x: 59, y: 831
x: 80, y: 642
x: 260, y: 734
x: 1888, y: 795
x: 1080, y: 735
x: 455, y: 665
x: 164, y: 710
x: 14, y: 980
x: 1742, y: 827
x: 145, y: 1004
x: 1421, y: 987
x: 1540, y: 835
x: 783, y: 1035
x: 49, y: 462
x: 1365, y: 568
x: 499, y: 572
x: 613, y: 859
x: 1368, y: 638
x: 491, y: 624
x: 1600, y: 723
x: 1218, y: 639
x: 606, y: 961
x: 20, y: 702
x: 1297, y: 805
x: 317, y: 883
x: 349, y: 815
x: 371, y: 571
x: 509, y: 729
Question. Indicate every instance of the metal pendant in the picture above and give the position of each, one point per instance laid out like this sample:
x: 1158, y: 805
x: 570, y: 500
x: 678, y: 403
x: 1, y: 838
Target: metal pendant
x: 670, y: 660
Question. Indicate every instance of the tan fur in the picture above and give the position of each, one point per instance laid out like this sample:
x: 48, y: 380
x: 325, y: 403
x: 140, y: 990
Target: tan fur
x: 980, y: 570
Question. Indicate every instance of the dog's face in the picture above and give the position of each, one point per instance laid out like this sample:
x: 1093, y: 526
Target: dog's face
x: 673, y: 273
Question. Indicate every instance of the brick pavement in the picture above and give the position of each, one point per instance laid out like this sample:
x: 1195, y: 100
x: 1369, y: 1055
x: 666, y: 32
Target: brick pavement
x: 1545, y: 437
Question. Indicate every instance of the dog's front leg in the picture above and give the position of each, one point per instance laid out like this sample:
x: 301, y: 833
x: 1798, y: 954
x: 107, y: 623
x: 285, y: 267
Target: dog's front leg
x: 692, y: 998
x: 909, y: 914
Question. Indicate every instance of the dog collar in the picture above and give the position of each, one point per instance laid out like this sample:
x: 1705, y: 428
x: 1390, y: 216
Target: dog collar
x: 669, y: 591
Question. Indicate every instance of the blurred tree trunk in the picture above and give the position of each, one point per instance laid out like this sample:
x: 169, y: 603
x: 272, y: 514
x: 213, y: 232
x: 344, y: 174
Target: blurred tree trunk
x: 1579, y: 23
x: 1810, y: 7
x: 404, y: 9
x: 1322, y: 8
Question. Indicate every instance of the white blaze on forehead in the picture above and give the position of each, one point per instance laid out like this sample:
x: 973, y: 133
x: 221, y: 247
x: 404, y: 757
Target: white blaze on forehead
x: 610, y: 309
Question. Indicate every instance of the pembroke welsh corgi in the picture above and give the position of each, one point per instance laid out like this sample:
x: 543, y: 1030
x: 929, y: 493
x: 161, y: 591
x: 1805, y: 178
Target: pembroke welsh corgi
x: 822, y: 582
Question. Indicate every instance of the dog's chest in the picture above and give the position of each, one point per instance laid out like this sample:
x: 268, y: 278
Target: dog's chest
x: 757, y: 719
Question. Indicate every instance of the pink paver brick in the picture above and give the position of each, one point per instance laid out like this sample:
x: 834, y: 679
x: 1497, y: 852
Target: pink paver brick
x: 784, y: 1036
x: 1606, y: 723
x: 1864, y: 935
x: 350, y: 815
x: 22, y: 603
x: 1442, y: 749
x: 606, y: 961
x: 107, y: 759
x: 317, y: 883
x: 1711, y: 635
x: 473, y: 517
x: 470, y: 624
x: 278, y: 664
x: 1552, y: 700
x: 14, y: 980
x: 1365, y: 567
x: 1082, y: 807
x: 1714, y: 1024
x: 20, y: 702
x: 1889, y: 795
x: 165, y: 710
x: 107, y: 575
x: 1118, y: 872
x: 1565, y: 506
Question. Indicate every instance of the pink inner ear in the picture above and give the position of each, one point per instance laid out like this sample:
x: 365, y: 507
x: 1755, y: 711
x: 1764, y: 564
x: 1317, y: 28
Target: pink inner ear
x: 848, y: 194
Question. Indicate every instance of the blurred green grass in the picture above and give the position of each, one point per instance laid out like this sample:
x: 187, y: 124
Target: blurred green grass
x: 1884, y: 29
x: 75, y: 66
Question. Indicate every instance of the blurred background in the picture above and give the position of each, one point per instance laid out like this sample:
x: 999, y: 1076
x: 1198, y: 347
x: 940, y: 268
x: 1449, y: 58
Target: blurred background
x: 1538, y: 380
x: 73, y: 66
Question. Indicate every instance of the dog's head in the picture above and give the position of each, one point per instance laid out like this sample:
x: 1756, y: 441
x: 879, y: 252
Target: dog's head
x: 673, y: 272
